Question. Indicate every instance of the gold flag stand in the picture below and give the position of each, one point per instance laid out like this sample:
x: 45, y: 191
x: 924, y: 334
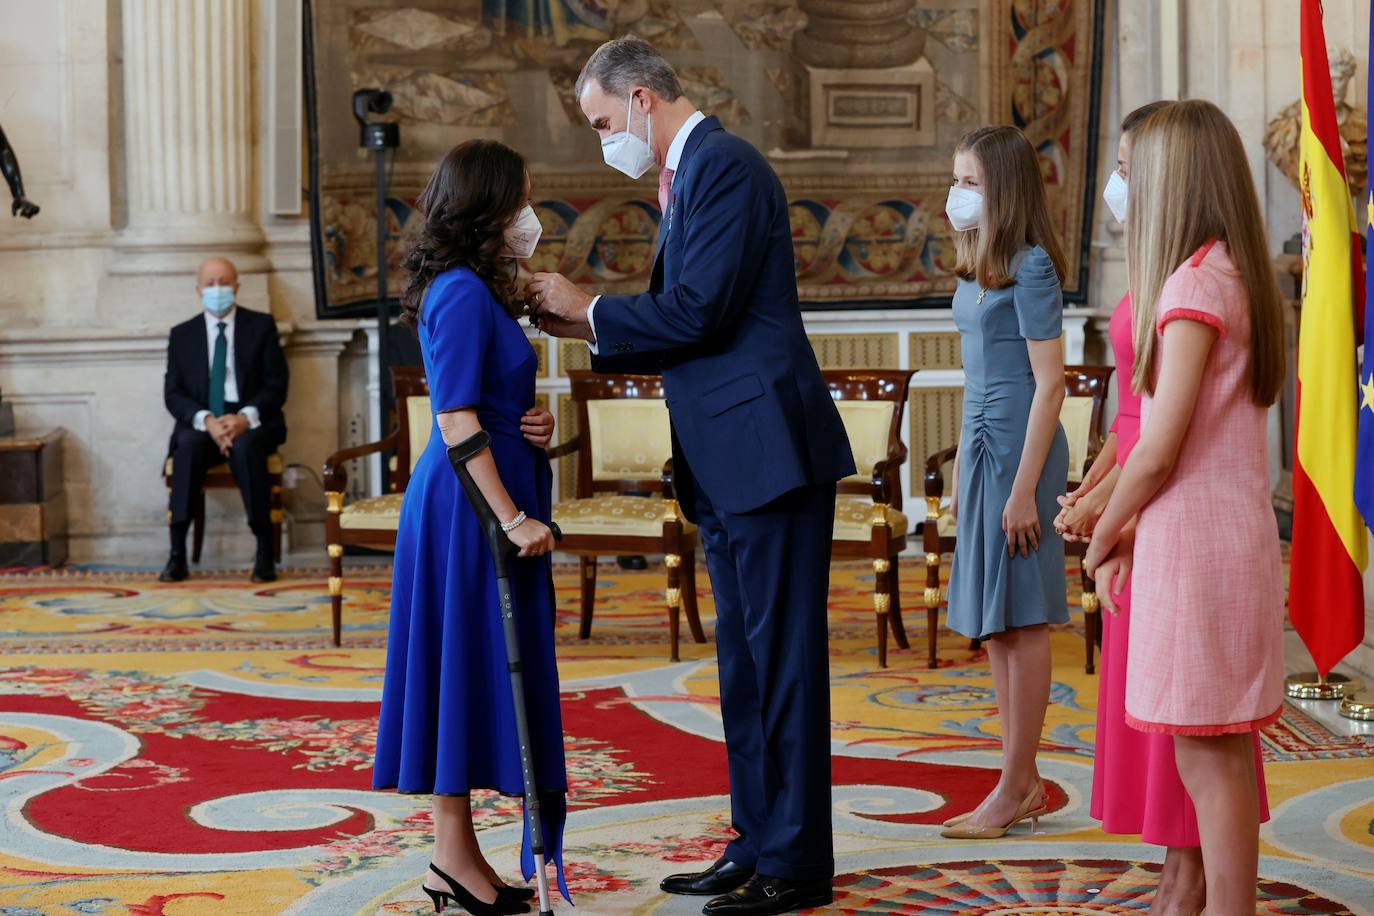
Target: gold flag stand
x: 1309, y: 685
x: 1359, y: 706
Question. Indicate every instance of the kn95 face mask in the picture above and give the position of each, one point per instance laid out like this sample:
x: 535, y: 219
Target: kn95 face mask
x: 1115, y: 195
x: 522, y: 236
x: 964, y: 208
x: 626, y: 152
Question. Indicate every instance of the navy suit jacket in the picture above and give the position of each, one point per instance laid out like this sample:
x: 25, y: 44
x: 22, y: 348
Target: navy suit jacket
x: 259, y: 368
x: 751, y: 416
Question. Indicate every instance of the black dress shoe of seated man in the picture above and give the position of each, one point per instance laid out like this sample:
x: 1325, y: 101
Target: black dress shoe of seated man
x: 766, y: 896
x: 264, y: 570
x: 175, y: 570
x: 722, y: 877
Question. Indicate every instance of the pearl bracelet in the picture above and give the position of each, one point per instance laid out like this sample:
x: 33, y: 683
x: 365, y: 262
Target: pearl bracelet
x: 514, y: 523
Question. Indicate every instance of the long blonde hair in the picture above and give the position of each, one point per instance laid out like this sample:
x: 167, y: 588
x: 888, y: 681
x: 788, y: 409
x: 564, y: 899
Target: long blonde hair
x: 1190, y: 183
x: 1014, y: 210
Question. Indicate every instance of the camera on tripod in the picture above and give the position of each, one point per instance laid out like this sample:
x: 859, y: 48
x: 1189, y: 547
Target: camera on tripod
x: 375, y: 135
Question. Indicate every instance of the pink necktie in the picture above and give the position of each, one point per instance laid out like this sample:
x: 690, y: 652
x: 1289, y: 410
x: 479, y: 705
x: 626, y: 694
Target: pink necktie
x: 665, y: 186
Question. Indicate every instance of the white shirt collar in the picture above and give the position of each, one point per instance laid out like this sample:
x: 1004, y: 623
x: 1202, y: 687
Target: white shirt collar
x: 211, y: 320
x: 674, y: 157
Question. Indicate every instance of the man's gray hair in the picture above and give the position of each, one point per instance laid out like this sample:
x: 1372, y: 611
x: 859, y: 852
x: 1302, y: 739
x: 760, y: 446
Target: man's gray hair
x: 621, y: 64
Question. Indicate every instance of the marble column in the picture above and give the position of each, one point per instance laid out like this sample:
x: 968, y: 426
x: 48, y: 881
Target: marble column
x: 859, y: 34
x: 188, y: 137
x: 868, y: 84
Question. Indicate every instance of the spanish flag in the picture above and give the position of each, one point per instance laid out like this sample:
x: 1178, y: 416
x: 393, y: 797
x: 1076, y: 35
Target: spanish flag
x: 1326, y: 594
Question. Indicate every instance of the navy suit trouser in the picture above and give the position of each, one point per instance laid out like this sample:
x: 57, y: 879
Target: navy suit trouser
x: 770, y: 574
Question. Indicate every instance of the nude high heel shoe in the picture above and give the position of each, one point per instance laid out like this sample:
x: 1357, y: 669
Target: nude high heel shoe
x: 1031, y: 808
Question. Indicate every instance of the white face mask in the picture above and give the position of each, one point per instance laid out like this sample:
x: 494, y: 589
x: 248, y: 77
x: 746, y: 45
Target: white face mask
x: 1115, y: 196
x: 964, y: 208
x: 626, y: 152
x: 523, y: 235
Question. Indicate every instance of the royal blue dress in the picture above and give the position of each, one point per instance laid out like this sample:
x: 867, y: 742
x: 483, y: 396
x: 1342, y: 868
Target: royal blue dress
x: 447, y: 722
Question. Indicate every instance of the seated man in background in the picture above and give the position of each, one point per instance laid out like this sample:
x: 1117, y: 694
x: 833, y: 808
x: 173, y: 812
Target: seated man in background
x: 225, y: 386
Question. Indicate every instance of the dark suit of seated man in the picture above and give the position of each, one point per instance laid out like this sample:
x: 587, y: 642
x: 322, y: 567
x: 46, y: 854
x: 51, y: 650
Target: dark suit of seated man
x: 225, y: 386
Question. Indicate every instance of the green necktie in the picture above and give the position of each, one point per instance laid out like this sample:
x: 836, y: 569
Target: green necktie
x: 217, y: 367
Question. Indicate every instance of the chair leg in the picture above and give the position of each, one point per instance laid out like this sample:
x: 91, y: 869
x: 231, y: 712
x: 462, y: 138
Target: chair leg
x: 1092, y: 623
x: 276, y: 516
x: 197, y: 526
x: 689, y: 595
x: 588, y: 568
x: 932, y: 627
x: 932, y: 595
x: 674, y: 598
x: 336, y: 590
x: 894, y: 613
x: 882, y: 598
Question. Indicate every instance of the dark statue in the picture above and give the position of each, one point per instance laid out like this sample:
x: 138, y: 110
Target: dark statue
x: 9, y: 164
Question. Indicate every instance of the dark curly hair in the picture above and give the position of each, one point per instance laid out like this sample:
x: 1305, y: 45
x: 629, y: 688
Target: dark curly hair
x: 474, y: 193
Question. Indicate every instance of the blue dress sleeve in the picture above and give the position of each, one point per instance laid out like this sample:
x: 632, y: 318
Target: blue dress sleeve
x: 457, y: 315
x: 1038, y: 297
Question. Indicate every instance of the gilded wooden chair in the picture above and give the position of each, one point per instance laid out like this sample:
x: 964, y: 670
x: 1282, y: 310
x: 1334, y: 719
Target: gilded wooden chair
x: 1085, y: 399
x: 869, y: 523
x: 624, y: 446
x: 372, y: 522
x: 220, y: 477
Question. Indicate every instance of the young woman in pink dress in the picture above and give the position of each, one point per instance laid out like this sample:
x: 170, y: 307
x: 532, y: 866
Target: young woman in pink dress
x: 1136, y: 786
x: 1190, y: 511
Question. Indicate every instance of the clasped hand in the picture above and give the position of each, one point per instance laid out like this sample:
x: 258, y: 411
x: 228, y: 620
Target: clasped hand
x: 559, y: 307
x: 224, y: 430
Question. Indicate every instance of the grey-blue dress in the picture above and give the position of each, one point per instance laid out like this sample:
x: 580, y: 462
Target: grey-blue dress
x: 989, y: 591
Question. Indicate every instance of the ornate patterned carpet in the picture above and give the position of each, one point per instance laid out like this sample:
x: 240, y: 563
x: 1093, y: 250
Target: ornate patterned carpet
x: 201, y: 749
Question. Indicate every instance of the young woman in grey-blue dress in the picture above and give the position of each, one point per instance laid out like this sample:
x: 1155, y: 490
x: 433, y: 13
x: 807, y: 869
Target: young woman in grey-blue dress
x: 1007, y: 583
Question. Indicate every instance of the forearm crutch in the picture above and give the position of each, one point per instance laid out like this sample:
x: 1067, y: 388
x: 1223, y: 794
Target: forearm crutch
x: 502, y: 550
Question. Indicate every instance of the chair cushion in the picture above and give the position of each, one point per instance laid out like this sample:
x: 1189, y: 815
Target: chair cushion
x: 419, y: 423
x: 630, y: 439
x: 614, y: 516
x: 869, y: 427
x: 947, y: 526
x: 854, y: 519
x: 1076, y: 416
x: 275, y: 465
x: 377, y: 512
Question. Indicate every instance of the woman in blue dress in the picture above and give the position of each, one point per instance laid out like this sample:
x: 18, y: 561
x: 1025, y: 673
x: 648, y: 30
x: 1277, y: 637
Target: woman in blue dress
x: 447, y: 722
x: 1007, y: 582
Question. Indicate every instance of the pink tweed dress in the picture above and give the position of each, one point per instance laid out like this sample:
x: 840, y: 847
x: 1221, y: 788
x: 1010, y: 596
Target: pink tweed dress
x: 1206, y: 631
x: 1136, y: 786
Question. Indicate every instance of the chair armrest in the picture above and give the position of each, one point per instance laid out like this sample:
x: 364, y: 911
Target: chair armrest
x: 336, y: 474
x: 564, y: 448
x: 935, y: 475
x: 666, y: 480
x: 883, y: 470
x: 938, y: 460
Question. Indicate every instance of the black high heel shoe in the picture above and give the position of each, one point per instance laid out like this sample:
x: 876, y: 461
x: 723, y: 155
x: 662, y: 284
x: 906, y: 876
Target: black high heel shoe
x: 464, y: 898
x: 517, y: 894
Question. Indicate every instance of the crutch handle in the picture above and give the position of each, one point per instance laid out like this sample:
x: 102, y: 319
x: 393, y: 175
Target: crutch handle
x: 502, y: 547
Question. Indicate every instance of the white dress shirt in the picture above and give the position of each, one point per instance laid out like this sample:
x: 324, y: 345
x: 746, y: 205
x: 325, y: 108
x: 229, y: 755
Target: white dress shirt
x: 231, y: 381
x: 671, y: 162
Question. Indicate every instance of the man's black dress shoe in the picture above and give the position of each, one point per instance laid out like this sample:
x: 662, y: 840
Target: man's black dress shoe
x: 765, y: 896
x: 720, y: 878
x: 175, y: 570
x: 264, y: 570
x: 632, y: 562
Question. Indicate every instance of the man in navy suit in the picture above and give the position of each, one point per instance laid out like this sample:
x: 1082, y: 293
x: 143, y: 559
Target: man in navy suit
x: 225, y: 385
x: 757, y: 448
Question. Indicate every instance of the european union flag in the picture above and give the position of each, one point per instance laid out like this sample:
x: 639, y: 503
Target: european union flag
x: 1364, y: 448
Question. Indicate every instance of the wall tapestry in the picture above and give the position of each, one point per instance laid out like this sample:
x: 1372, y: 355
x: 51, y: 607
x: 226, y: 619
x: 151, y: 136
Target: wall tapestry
x: 857, y: 105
